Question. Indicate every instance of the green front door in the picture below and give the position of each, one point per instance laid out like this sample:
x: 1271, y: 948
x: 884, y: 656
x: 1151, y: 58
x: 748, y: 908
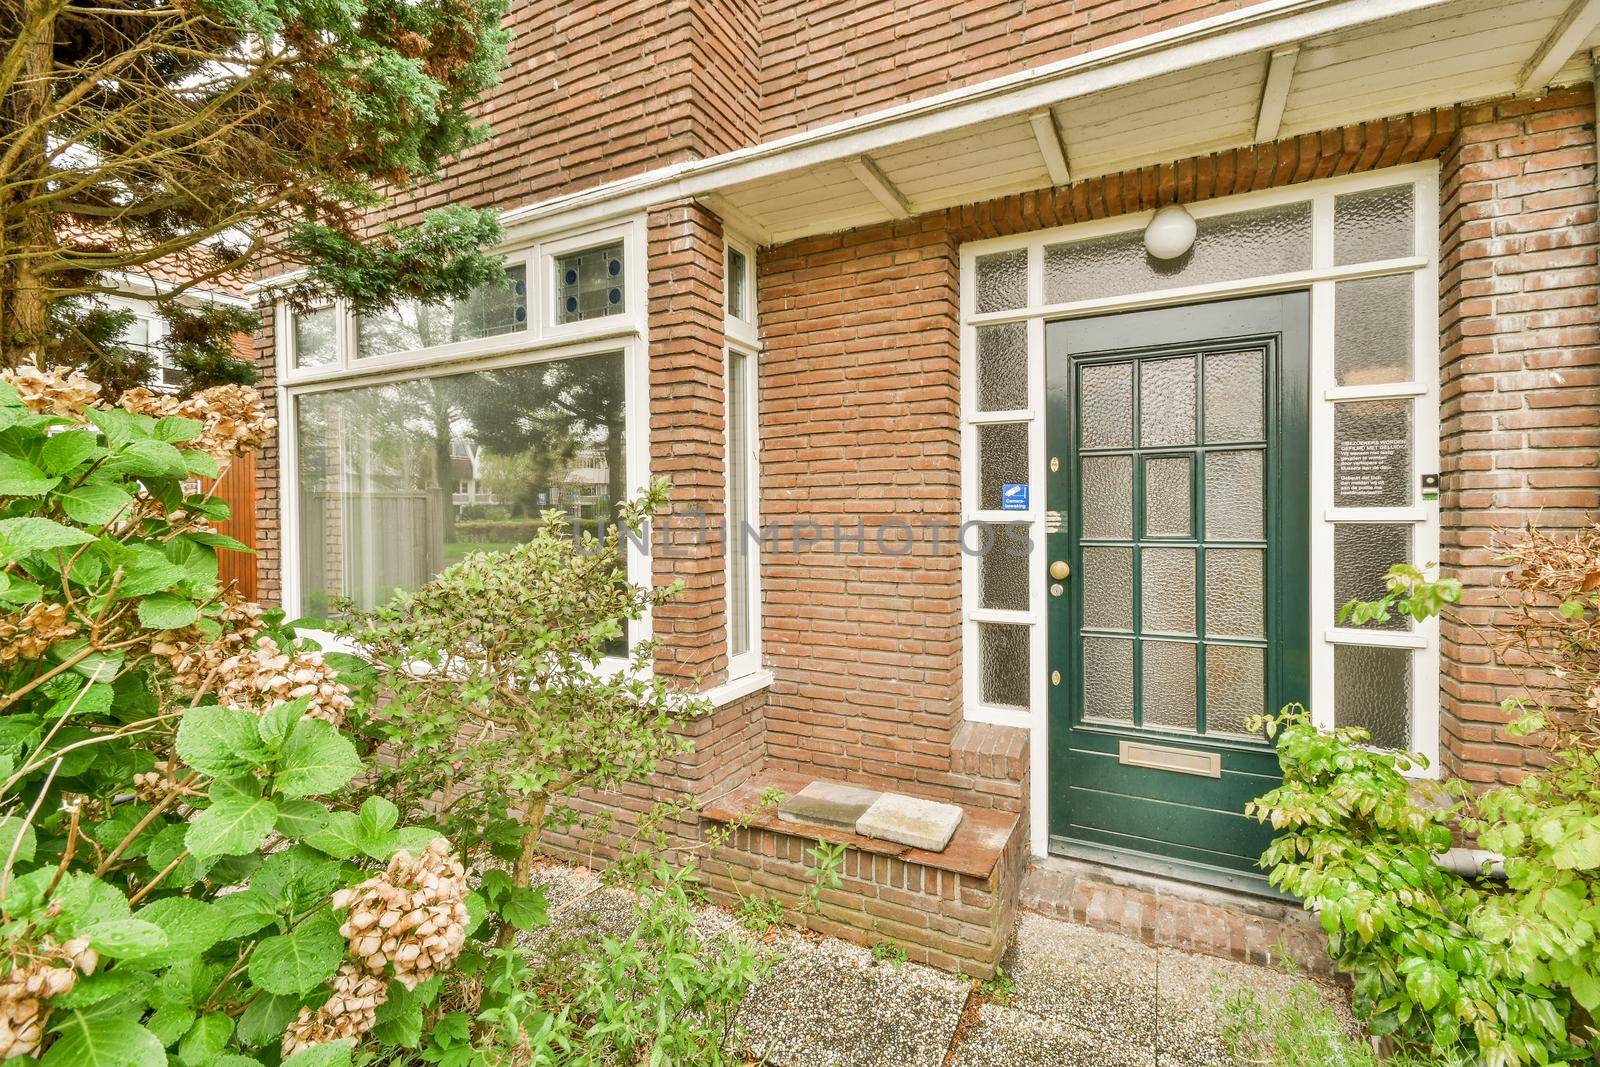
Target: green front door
x: 1178, y: 502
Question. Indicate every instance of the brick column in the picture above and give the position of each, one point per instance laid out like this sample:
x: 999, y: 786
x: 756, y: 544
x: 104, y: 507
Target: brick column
x: 269, y: 474
x: 1520, y: 378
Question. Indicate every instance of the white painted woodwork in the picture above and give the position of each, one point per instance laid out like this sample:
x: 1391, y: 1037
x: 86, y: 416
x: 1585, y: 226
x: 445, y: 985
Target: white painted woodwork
x: 1051, y: 150
x: 1564, y: 41
x: 1275, y: 93
x: 882, y: 189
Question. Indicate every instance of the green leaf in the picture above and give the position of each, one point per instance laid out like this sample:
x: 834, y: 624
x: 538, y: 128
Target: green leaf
x: 341, y: 836
x: 170, y: 1022
x: 525, y: 908
x: 118, y: 425
x: 201, y: 464
x: 12, y: 827
x: 244, y: 913
x: 231, y: 826
x: 148, y: 571
x: 221, y: 741
x: 174, y: 428
x: 104, y: 1041
x: 18, y: 477
x: 216, y: 540
x: 165, y: 611
x: 127, y: 937
x: 274, y: 724
x: 399, y: 1019
x: 297, y: 875
x: 87, y: 992
x: 299, y: 961
x: 329, y: 1054
x: 263, y: 1021
x: 64, y: 451
x: 1585, y: 986
x: 299, y: 819
x: 24, y: 536
x: 150, y: 459
x: 205, y: 1040
x: 191, y: 926
x: 316, y: 759
x: 378, y: 816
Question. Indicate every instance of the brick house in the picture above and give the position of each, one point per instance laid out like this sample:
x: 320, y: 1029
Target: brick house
x: 1054, y: 493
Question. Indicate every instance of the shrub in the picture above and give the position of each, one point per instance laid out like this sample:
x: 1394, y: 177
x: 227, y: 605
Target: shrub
x: 1463, y: 969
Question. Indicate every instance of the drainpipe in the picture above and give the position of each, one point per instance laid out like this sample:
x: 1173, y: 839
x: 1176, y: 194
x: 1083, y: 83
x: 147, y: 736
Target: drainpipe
x: 1594, y: 81
x: 1473, y: 863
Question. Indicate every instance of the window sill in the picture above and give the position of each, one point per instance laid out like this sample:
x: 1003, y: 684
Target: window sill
x: 726, y: 693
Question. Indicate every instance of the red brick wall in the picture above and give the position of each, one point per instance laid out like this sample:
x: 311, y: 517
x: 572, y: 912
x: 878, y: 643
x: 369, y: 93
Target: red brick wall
x: 1520, y: 375
x: 269, y: 475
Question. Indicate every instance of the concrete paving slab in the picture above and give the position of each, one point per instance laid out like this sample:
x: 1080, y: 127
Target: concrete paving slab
x: 924, y: 824
x: 1010, y: 1037
x: 831, y: 804
x: 831, y: 1005
x: 1083, y: 977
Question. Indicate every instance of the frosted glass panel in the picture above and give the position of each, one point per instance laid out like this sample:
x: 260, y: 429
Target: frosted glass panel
x: 1169, y: 685
x: 1372, y: 688
x: 1362, y: 555
x: 1372, y: 330
x: 1003, y: 281
x: 1168, y: 507
x: 1166, y: 582
x: 1107, y: 498
x: 1107, y: 584
x: 1235, y: 687
x: 1003, y: 572
x: 1235, y: 592
x: 1235, y: 508
x: 1373, y: 225
x: 1166, y: 402
x: 1372, y: 454
x: 1105, y: 405
x: 1247, y: 244
x: 1002, y: 460
x: 1003, y: 664
x: 1235, y: 397
x: 1108, y: 679
x: 1003, y: 367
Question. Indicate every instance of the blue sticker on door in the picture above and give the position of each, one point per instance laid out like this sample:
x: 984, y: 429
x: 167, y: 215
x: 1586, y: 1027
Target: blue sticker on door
x: 1013, y: 497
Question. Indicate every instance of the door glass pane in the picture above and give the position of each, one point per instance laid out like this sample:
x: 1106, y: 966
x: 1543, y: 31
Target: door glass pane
x: 1169, y: 685
x: 1372, y: 330
x: 1362, y: 555
x: 1245, y: 244
x: 1002, y: 460
x: 1372, y: 688
x: 1108, y: 679
x: 1168, y: 505
x: 1003, y: 664
x: 1372, y: 454
x: 1166, y: 582
x: 1235, y: 687
x: 1235, y: 592
x: 1003, y: 571
x: 1003, y: 367
x: 1003, y: 281
x: 1108, y: 498
x: 1235, y: 485
x: 1107, y: 584
x: 1105, y: 405
x: 1166, y: 402
x: 1373, y: 225
x: 1235, y: 397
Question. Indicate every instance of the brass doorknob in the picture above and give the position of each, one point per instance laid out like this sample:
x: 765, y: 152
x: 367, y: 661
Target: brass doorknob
x: 1059, y: 570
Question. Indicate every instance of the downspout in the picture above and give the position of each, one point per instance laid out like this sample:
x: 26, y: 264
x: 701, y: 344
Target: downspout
x: 1594, y: 82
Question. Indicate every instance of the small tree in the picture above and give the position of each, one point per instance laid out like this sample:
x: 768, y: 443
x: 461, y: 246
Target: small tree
x: 185, y: 139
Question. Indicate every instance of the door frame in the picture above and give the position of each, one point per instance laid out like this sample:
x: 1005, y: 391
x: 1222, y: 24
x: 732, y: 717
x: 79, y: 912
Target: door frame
x: 1210, y: 326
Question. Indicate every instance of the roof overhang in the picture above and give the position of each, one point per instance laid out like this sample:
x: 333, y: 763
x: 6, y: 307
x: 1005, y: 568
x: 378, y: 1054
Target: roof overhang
x: 1270, y: 71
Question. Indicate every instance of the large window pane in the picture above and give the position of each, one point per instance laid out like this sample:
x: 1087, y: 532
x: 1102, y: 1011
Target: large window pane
x: 491, y: 310
x: 397, y: 481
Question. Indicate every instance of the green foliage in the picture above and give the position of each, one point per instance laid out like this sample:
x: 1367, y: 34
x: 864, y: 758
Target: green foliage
x: 890, y: 952
x: 756, y: 913
x: 1300, y: 1030
x: 999, y: 989
x: 824, y: 866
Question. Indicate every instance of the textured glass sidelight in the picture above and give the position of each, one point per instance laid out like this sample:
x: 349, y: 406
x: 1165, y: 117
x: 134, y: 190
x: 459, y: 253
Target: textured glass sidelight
x: 1372, y: 688
x: 1235, y: 599
x: 1372, y: 454
x: 1234, y: 494
x: 590, y: 284
x: 1105, y: 405
x: 1002, y: 459
x: 1169, y: 690
x: 1108, y: 679
x: 1107, y: 498
x: 1003, y: 281
x: 1236, y: 681
x: 738, y: 271
x: 1107, y: 584
x: 1166, y: 590
x: 1372, y: 330
x: 1003, y: 367
x: 1168, y: 504
x: 1247, y: 244
x: 1003, y: 574
x: 1235, y: 391
x: 1363, y: 552
x: 1166, y: 402
x: 1003, y: 664
x: 1377, y: 224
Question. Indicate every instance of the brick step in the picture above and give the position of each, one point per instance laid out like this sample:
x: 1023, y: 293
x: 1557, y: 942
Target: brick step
x: 951, y: 909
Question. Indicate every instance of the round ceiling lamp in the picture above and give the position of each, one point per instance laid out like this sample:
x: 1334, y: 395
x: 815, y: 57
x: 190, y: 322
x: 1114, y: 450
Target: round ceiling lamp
x: 1170, y: 233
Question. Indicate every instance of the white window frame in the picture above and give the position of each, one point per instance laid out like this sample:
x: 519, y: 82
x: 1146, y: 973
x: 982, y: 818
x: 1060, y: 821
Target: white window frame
x: 741, y: 329
x: 743, y: 338
x: 1319, y: 280
x: 626, y: 333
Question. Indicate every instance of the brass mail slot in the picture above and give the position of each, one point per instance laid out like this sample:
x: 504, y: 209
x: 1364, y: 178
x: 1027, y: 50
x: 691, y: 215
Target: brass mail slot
x: 1160, y: 758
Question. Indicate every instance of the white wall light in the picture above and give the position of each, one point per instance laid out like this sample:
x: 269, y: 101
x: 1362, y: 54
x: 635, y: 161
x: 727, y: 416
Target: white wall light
x: 1170, y: 233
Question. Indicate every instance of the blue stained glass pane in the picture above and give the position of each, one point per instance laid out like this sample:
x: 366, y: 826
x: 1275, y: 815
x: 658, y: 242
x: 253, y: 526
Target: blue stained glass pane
x: 572, y: 303
x: 571, y: 277
x: 614, y: 268
x: 591, y: 283
x: 615, y: 296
